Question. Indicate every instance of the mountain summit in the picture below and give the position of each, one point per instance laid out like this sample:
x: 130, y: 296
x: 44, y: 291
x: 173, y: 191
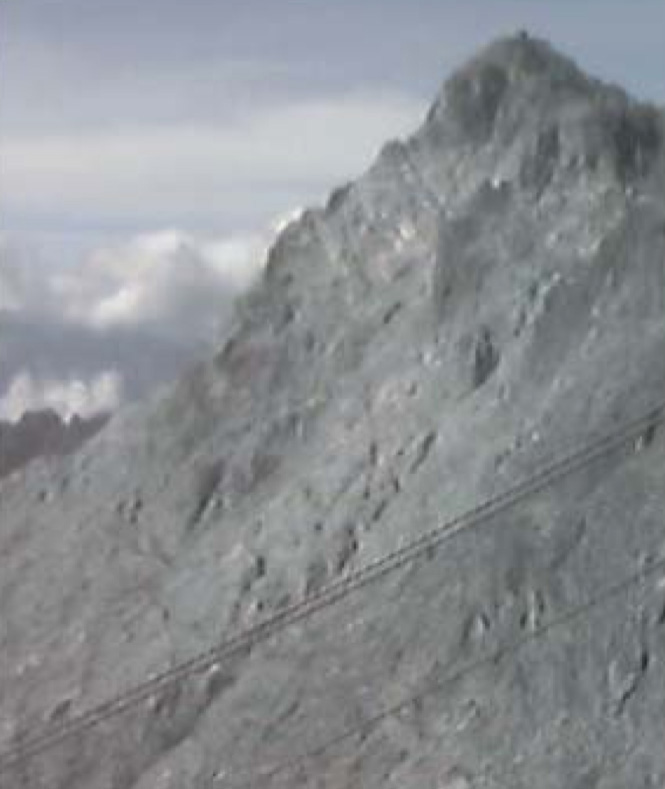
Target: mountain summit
x: 520, y: 87
x: 487, y: 296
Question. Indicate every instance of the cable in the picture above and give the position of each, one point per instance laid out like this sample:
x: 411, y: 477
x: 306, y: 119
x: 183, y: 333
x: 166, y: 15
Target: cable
x: 267, y: 772
x: 331, y: 593
x: 30, y: 746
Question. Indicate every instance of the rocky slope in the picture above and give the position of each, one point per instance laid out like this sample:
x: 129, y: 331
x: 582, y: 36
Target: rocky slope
x: 491, y: 291
x: 43, y: 434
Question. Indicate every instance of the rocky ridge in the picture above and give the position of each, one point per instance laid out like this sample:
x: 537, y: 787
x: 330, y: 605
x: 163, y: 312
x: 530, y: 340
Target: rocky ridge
x: 491, y: 290
x: 43, y: 434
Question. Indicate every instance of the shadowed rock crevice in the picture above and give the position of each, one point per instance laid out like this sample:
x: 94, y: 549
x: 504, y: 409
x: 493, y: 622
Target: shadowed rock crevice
x: 637, y: 137
x: 485, y: 357
x: 538, y: 167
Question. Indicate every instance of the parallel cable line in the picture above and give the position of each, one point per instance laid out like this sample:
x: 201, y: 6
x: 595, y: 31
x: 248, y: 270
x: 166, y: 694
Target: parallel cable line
x: 269, y: 771
x: 30, y: 746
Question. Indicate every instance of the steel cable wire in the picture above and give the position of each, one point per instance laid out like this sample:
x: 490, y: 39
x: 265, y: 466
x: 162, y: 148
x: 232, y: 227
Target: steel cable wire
x: 30, y: 746
x: 269, y: 771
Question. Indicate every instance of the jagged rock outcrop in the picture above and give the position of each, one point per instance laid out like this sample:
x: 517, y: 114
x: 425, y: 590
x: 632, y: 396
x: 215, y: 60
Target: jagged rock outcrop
x: 43, y: 434
x: 491, y: 290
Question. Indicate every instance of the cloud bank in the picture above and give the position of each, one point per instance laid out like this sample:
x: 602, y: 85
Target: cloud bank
x: 80, y: 339
x: 167, y: 282
x: 102, y: 393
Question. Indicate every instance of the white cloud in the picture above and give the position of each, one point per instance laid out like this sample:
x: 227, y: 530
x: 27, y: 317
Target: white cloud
x: 143, y: 308
x: 164, y: 295
x: 257, y: 163
x: 168, y: 281
x: 67, y: 397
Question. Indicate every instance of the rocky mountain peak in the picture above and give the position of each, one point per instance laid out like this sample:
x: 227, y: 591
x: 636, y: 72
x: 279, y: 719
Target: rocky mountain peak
x: 522, y: 57
x: 488, y: 294
x: 507, y: 71
x: 520, y: 90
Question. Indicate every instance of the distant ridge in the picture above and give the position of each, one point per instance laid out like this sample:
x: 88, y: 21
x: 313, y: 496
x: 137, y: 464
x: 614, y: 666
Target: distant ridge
x: 43, y: 434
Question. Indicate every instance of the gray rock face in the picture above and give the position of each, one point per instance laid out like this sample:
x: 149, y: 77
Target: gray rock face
x: 489, y: 293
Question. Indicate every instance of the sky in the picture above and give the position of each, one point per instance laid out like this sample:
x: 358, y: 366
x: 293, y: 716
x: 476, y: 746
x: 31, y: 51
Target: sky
x: 149, y: 149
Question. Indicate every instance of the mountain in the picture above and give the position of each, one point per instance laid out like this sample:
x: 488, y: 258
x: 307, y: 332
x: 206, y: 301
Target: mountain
x: 490, y: 293
x: 43, y: 433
